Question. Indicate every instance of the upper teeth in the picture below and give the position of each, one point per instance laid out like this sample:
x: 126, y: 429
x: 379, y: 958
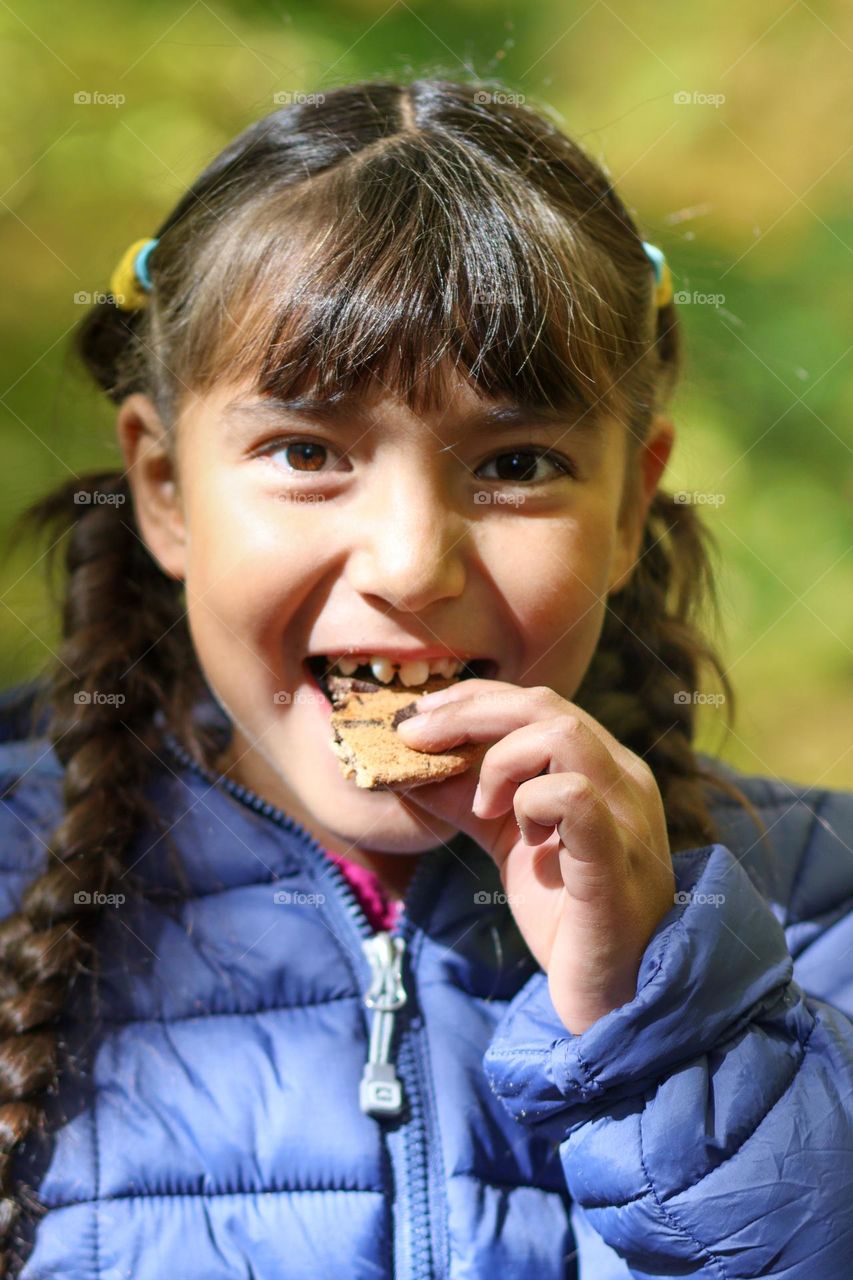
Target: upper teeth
x: 411, y: 673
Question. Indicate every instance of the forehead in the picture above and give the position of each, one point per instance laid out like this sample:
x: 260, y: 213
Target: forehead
x: 461, y: 408
x: 477, y: 416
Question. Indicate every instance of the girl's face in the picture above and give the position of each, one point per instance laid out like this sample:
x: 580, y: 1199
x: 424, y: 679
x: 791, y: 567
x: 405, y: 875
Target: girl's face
x: 302, y: 533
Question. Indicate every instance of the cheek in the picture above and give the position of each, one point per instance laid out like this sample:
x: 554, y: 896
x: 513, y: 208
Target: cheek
x: 248, y: 567
x: 554, y: 580
x: 553, y: 567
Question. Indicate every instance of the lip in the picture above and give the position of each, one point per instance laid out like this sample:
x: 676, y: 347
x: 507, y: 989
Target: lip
x: 323, y: 702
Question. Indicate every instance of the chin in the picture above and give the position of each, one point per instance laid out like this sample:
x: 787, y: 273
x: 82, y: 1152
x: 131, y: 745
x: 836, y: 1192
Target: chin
x: 317, y: 795
x: 377, y: 821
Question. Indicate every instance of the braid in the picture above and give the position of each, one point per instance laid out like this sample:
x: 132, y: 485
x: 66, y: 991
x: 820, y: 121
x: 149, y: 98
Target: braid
x: 648, y: 664
x: 124, y: 637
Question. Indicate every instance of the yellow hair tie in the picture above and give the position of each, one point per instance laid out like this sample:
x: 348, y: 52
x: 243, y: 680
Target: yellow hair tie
x: 663, y: 275
x: 664, y: 291
x: 130, y: 283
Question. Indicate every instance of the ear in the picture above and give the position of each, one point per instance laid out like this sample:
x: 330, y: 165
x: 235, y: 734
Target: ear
x: 640, y: 488
x: 153, y: 480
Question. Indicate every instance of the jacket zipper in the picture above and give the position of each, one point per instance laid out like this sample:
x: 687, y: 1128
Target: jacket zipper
x: 385, y: 1087
x: 381, y: 1092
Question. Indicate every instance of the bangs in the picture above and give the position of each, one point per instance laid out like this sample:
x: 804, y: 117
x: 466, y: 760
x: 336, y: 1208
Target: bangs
x: 377, y: 272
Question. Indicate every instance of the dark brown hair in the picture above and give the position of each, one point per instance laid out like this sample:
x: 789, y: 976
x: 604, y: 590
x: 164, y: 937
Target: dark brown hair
x: 363, y: 237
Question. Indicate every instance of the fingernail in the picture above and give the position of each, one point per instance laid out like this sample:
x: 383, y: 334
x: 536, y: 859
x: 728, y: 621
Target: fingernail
x: 434, y: 699
x: 477, y: 798
x: 417, y: 718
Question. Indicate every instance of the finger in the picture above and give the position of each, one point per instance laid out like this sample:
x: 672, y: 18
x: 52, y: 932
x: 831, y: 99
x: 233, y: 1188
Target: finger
x: 592, y: 842
x: 475, y: 711
x: 563, y: 744
x: 449, y: 801
x: 483, y: 710
x: 461, y: 690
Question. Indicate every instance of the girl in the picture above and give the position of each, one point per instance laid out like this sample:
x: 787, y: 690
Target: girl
x: 391, y: 384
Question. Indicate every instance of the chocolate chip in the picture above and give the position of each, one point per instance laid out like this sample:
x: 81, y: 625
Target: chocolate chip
x: 339, y: 686
x: 403, y: 713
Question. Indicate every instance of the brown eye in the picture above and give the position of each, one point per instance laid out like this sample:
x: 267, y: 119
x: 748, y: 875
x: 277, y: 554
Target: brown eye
x: 306, y: 456
x: 520, y: 465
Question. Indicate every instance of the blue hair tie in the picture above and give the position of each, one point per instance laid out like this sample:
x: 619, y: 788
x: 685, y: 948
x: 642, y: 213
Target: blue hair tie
x: 663, y: 277
x: 656, y: 257
x: 140, y: 265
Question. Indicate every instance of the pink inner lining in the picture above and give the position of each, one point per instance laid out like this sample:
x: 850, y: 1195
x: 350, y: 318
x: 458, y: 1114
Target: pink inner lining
x: 379, y: 909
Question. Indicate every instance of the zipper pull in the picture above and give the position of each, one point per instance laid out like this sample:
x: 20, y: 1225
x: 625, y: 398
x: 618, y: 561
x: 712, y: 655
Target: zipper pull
x: 380, y: 1091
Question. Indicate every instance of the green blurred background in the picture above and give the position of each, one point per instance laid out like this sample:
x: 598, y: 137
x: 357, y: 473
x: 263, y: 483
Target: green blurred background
x: 729, y: 137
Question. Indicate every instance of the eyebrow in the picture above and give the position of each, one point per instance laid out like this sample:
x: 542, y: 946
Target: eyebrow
x: 492, y: 419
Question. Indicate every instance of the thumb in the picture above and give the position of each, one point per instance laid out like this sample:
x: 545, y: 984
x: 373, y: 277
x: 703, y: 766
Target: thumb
x: 450, y: 800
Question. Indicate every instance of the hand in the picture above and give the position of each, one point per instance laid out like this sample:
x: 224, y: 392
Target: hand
x: 575, y: 824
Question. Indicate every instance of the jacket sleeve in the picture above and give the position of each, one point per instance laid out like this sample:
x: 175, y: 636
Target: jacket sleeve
x: 706, y: 1126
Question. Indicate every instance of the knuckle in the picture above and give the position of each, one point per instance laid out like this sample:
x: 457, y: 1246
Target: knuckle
x: 579, y: 789
x: 643, y: 772
x: 545, y: 695
x: 571, y: 725
x: 562, y: 727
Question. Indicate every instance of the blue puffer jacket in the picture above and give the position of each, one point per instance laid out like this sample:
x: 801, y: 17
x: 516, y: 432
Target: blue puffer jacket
x: 215, y: 1119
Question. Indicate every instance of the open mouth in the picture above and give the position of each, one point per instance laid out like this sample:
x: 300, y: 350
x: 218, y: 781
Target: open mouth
x: 324, y: 670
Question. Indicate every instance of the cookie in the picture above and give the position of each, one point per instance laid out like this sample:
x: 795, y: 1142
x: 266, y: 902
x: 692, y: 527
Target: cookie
x: 364, y: 721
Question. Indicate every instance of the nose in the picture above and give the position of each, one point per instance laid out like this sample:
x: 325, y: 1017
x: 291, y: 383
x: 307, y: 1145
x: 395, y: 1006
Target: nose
x: 408, y: 544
